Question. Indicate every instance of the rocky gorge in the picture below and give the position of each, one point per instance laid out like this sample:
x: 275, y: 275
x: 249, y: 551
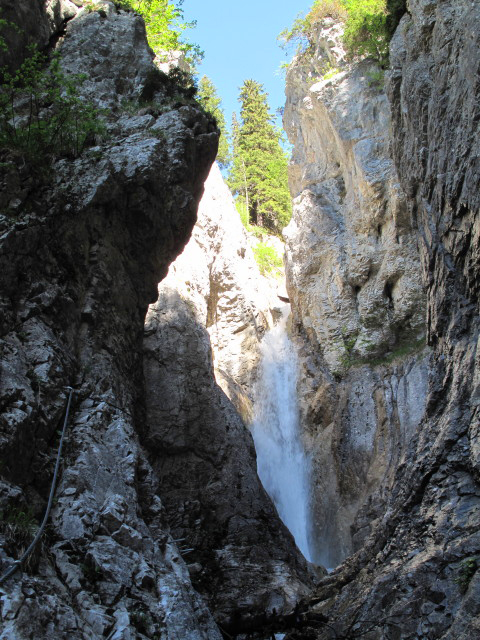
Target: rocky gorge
x: 160, y: 527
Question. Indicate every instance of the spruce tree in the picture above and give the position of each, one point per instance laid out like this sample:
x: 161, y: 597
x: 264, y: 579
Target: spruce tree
x: 259, y: 169
x: 208, y: 97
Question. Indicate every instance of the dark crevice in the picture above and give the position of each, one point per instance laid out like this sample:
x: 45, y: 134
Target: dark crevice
x: 387, y: 292
x: 57, y: 36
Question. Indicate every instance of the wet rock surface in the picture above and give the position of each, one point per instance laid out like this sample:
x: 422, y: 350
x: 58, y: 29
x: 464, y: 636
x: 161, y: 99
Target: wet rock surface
x: 358, y: 434
x: 416, y: 575
x: 213, y: 308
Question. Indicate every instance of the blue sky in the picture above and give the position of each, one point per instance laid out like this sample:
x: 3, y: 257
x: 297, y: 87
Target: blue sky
x: 239, y: 40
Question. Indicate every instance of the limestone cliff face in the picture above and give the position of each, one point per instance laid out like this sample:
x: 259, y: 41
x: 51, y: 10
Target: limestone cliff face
x: 416, y: 576
x: 353, y: 275
x: 352, y: 258
x: 218, y: 275
x: 82, y: 251
x: 212, y: 309
x: 32, y: 23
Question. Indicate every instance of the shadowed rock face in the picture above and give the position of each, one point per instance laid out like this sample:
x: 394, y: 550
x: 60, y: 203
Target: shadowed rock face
x: 32, y: 23
x: 417, y: 576
x: 240, y: 555
x: 218, y: 274
x: 82, y: 250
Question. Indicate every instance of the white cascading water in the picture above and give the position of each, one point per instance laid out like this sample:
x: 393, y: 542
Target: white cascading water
x: 283, y: 466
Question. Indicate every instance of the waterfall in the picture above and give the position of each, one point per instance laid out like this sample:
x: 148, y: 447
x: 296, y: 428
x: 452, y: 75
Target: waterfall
x: 283, y: 466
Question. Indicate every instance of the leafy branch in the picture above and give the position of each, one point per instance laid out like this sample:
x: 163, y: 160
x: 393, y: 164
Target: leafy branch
x: 368, y: 26
x: 41, y: 111
x: 165, y: 25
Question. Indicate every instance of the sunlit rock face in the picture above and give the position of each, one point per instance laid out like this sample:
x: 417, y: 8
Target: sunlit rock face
x: 219, y: 278
x: 212, y: 310
x: 352, y: 257
x: 354, y: 279
x: 417, y: 575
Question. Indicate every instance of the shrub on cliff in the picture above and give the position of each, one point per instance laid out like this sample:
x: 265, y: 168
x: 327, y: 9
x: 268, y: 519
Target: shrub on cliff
x: 366, y: 29
x: 41, y: 112
x: 268, y: 260
x: 369, y: 25
x: 165, y: 26
x: 302, y: 32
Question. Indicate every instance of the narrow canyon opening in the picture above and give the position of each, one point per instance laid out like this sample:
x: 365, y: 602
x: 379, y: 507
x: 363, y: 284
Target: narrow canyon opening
x: 221, y: 452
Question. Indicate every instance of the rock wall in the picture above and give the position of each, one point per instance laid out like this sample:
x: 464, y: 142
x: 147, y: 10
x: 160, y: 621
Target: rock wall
x: 416, y: 575
x: 218, y: 275
x: 158, y: 471
x: 239, y: 554
x: 32, y: 23
x: 358, y: 435
x: 352, y: 257
x: 354, y: 279
x: 82, y: 249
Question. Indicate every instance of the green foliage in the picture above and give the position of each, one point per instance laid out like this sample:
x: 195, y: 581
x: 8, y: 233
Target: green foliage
x: 183, y: 79
x: 94, y: 6
x: 3, y: 25
x: 349, y: 341
x: 6, y: 25
x: 209, y: 99
x: 242, y: 211
x: 177, y: 88
x: 259, y: 168
x: 23, y: 519
x: 466, y: 572
x: 267, y: 259
x: 366, y: 29
x: 302, y: 32
x: 165, y: 27
x: 369, y: 26
x: 258, y: 232
x: 91, y: 572
x: 41, y: 113
x: 376, y: 79
x: 141, y: 621
x: 18, y: 526
x: 330, y: 73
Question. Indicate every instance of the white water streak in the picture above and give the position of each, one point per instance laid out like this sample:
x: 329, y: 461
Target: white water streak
x: 283, y: 465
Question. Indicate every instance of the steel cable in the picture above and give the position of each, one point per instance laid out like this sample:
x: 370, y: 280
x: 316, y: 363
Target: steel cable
x: 18, y: 563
